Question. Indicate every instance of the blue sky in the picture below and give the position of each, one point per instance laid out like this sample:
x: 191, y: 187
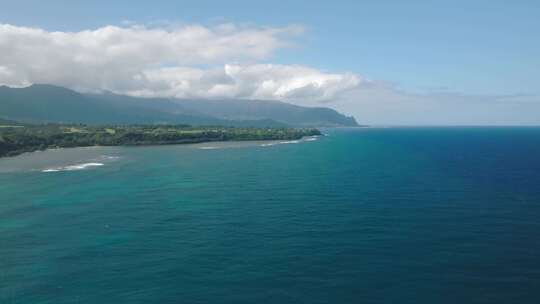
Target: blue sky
x: 475, y: 48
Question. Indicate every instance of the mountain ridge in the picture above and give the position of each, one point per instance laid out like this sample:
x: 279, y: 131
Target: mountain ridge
x: 43, y: 103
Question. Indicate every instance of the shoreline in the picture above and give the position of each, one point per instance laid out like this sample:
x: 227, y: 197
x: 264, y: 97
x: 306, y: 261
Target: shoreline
x: 16, y: 141
x: 150, y: 144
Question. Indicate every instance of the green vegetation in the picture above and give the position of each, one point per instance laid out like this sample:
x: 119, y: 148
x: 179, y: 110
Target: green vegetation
x: 52, y: 104
x: 15, y: 140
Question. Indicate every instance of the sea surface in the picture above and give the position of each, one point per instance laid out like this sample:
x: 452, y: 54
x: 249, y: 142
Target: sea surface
x: 370, y: 215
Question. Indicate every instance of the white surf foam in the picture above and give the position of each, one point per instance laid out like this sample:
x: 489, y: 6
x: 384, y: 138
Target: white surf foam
x: 268, y: 145
x: 109, y: 157
x: 208, y: 148
x: 309, y: 138
x: 73, y: 167
x: 289, y: 142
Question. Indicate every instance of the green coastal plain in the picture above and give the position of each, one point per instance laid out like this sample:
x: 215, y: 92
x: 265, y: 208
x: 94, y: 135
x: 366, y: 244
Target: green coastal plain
x: 17, y: 138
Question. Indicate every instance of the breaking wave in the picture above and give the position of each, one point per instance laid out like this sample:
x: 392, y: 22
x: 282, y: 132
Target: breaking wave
x: 208, y: 148
x: 308, y: 138
x: 73, y: 167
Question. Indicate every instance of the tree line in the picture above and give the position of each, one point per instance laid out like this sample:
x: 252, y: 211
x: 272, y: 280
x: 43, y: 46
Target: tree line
x: 15, y: 140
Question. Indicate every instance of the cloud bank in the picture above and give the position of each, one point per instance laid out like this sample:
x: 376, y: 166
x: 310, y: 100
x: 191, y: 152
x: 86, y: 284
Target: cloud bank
x: 255, y: 81
x: 188, y: 61
x: 228, y: 61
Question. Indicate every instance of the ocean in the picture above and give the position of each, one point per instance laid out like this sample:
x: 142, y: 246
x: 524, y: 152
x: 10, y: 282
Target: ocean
x: 367, y: 215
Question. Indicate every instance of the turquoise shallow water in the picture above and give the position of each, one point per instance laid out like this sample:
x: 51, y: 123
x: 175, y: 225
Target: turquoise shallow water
x: 396, y: 215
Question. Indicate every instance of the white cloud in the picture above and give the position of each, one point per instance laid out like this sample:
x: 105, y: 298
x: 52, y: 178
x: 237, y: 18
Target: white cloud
x: 187, y: 61
x: 225, y: 62
x: 255, y: 81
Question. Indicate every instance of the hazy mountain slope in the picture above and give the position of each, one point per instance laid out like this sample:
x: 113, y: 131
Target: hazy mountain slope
x: 5, y: 122
x: 275, y: 110
x: 172, y: 111
x: 47, y: 103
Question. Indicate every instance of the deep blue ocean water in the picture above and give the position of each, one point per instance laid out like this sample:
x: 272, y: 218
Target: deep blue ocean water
x: 374, y: 215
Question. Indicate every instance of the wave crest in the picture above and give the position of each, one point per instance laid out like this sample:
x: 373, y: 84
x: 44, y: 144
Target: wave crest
x: 73, y: 167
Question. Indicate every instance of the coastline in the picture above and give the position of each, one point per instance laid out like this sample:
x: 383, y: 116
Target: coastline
x: 268, y: 142
x: 15, y: 141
